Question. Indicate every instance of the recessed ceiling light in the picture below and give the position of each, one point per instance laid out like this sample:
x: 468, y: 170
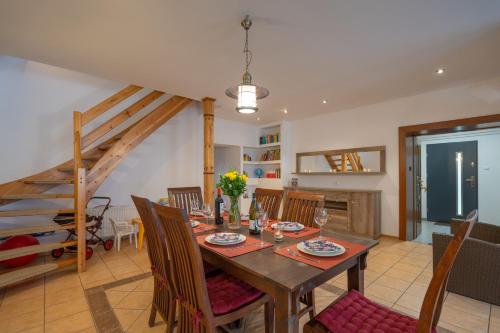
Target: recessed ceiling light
x: 323, y: 101
x: 285, y: 111
x: 440, y: 71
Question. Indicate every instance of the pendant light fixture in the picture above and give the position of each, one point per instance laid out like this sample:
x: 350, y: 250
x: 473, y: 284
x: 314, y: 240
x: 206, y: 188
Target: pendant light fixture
x: 247, y: 93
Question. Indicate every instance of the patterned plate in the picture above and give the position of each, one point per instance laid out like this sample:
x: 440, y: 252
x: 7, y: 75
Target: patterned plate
x: 225, y: 238
x: 320, y: 247
x: 194, y: 223
x: 288, y: 226
x: 197, y: 213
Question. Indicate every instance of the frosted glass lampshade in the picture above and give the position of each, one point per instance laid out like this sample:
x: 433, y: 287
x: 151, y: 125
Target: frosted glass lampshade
x: 247, y: 99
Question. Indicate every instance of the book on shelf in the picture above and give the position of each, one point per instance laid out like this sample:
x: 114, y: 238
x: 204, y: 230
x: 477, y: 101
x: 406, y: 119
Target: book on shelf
x: 271, y: 155
x: 274, y: 174
x: 270, y: 138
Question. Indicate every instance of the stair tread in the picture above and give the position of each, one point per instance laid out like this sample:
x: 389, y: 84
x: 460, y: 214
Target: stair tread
x: 91, y: 158
x: 31, y: 212
x: 29, y: 272
x: 49, y: 181
x: 71, y: 168
x: 105, y: 146
x: 40, y: 248
x: 35, y: 229
x: 36, y: 196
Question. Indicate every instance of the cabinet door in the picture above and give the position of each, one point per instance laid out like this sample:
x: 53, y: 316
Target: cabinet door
x: 360, y: 214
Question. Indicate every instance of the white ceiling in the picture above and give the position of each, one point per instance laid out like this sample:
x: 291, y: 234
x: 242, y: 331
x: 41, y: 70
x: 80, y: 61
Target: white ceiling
x: 349, y: 52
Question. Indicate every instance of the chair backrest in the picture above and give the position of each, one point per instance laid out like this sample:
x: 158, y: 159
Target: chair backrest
x: 270, y: 201
x: 181, y: 197
x: 433, y: 300
x: 113, y: 225
x: 301, y: 207
x: 187, y: 269
x: 157, y: 247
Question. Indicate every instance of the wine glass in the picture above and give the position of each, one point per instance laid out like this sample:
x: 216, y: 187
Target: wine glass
x: 320, y: 218
x: 195, y: 205
x: 207, y: 210
x: 263, y: 223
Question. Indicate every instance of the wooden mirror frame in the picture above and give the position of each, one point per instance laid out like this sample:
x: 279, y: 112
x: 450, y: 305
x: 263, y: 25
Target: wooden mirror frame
x: 380, y: 149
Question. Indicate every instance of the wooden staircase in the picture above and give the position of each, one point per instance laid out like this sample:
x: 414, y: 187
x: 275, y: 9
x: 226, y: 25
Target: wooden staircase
x: 346, y: 162
x: 93, y: 161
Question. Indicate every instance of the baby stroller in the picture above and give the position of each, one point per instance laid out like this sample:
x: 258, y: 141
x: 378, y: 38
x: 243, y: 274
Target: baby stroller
x: 93, y: 225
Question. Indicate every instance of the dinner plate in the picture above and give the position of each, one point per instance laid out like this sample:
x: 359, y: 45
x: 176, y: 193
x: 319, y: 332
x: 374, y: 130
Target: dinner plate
x: 303, y: 248
x: 194, y: 223
x: 288, y: 226
x: 225, y: 238
x: 197, y: 213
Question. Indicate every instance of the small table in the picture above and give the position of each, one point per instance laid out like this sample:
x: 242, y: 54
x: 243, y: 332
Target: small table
x: 140, y: 237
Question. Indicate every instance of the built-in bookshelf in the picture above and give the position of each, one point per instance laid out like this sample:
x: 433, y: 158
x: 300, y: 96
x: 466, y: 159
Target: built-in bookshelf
x: 247, y: 159
x: 262, y: 162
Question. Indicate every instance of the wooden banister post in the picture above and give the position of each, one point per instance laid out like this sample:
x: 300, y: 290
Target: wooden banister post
x: 208, y: 150
x: 80, y: 219
x: 344, y: 162
x: 79, y: 191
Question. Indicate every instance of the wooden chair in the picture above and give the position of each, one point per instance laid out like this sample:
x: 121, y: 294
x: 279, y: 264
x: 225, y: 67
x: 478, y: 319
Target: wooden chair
x: 163, y: 296
x: 344, y: 314
x: 270, y: 201
x: 207, y: 303
x: 181, y: 197
x: 301, y: 207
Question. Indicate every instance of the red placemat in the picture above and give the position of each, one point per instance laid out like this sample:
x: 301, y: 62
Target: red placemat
x: 250, y: 245
x: 307, y: 231
x: 203, y: 227
x: 323, y: 263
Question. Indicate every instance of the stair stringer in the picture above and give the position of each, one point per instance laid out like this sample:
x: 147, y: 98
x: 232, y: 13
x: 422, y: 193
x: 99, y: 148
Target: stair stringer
x: 20, y: 187
x: 133, y: 137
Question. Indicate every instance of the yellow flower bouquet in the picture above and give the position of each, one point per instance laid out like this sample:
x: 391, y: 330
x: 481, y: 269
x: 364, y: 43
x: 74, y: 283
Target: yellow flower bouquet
x: 233, y: 184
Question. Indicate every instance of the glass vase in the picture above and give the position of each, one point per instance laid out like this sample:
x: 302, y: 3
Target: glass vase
x: 234, y: 221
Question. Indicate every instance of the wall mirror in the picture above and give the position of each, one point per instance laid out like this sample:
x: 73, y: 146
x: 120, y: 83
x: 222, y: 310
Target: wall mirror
x: 365, y: 160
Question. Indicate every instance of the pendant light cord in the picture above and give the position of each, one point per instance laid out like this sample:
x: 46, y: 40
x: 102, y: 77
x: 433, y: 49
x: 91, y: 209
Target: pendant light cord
x: 248, y: 53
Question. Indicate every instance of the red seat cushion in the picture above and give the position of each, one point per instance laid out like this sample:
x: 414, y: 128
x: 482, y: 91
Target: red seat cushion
x: 228, y: 293
x: 355, y: 313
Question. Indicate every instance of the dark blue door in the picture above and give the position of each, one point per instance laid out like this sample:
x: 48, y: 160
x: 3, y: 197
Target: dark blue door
x: 451, y: 180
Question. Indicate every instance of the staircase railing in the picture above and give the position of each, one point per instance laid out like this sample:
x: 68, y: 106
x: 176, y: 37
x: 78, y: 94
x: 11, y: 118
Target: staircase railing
x: 86, y: 183
x: 81, y: 142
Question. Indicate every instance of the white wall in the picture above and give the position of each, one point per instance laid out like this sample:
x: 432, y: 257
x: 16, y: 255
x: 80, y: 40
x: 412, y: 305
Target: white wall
x: 378, y: 124
x: 36, y: 105
x: 488, y: 169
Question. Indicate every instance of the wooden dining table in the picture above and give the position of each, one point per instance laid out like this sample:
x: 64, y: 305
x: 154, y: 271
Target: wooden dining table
x: 285, y: 279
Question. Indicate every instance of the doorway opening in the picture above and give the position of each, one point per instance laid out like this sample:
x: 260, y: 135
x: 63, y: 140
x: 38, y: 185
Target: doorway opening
x: 447, y: 169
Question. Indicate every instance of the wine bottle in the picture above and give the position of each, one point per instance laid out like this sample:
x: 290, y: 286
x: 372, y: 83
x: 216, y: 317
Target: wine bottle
x: 253, y: 225
x: 218, y: 204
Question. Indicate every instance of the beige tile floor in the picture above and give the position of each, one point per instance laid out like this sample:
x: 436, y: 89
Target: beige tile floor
x: 397, y: 276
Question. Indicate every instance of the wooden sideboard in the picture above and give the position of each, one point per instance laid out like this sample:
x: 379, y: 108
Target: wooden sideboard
x: 350, y: 211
